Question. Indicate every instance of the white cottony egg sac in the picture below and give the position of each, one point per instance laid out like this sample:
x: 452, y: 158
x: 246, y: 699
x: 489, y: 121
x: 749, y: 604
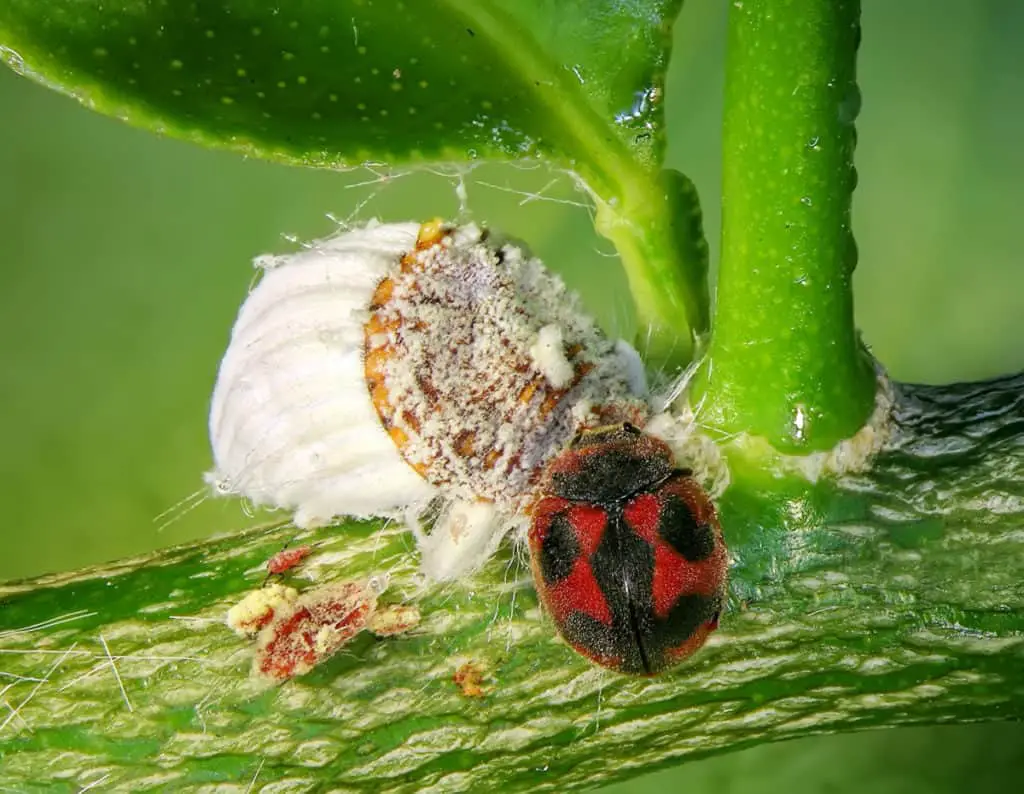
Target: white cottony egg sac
x: 409, y: 370
x: 291, y: 422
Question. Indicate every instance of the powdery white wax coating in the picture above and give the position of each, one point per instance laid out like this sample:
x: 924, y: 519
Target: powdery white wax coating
x: 490, y: 367
x: 291, y: 422
x: 633, y: 366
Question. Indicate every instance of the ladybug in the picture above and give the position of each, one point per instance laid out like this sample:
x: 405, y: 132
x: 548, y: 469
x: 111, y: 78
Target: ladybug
x: 627, y: 552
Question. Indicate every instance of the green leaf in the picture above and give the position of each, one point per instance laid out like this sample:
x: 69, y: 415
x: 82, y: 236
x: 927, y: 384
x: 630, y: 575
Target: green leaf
x: 335, y: 82
x: 345, y: 82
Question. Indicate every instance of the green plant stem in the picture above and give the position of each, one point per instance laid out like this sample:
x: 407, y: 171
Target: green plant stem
x: 785, y: 361
x: 657, y: 229
x: 890, y: 597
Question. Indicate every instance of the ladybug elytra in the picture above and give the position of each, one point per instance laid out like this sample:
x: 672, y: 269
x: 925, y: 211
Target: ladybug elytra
x: 627, y: 551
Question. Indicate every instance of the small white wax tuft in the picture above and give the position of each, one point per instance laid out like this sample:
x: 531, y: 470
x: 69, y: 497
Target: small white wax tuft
x: 548, y: 356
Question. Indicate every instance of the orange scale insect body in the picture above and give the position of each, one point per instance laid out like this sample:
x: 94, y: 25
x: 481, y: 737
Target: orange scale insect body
x: 482, y: 367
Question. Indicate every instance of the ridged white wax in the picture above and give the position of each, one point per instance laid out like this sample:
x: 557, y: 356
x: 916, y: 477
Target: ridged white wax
x: 291, y: 422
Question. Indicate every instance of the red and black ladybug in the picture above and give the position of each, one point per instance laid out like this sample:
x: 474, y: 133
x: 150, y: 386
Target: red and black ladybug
x: 627, y: 552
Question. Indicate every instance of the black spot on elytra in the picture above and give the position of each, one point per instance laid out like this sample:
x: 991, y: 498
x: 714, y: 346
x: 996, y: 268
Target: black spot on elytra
x: 623, y: 565
x: 591, y: 637
x: 678, y: 527
x: 688, y: 614
x: 559, y: 550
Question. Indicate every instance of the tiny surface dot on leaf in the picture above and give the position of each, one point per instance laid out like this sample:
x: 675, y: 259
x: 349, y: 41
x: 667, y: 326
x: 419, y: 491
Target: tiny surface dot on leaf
x: 515, y: 62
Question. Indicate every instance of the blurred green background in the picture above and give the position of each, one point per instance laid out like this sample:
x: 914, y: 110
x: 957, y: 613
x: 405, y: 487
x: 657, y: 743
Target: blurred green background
x: 123, y: 258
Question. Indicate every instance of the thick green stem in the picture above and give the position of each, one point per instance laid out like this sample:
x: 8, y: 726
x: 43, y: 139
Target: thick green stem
x: 889, y: 597
x: 658, y: 232
x: 785, y: 361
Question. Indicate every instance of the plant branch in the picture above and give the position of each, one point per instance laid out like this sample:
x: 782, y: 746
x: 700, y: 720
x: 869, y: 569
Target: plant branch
x: 657, y: 228
x: 885, y: 598
x: 785, y: 361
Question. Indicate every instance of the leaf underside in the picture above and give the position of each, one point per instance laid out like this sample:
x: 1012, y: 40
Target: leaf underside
x: 344, y: 82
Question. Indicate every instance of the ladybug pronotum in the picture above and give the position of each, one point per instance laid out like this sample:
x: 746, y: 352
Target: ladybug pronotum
x: 433, y: 371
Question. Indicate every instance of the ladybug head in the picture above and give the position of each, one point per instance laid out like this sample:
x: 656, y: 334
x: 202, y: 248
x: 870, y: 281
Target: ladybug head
x: 607, y: 464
